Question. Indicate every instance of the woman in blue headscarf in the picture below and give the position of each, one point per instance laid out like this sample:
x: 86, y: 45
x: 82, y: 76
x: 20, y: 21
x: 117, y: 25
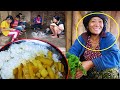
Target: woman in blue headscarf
x: 98, y: 64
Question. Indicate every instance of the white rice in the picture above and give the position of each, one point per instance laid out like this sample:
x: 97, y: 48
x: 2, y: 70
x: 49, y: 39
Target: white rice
x: 55, y: 57
x: 19, y: 53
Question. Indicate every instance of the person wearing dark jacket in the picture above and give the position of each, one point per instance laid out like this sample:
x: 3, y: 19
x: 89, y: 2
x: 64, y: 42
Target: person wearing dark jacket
x: 37, y: 22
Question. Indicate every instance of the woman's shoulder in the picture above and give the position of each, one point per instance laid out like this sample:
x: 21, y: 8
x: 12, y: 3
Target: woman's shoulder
x: 109, y: 34
x: 83, y: 37
x: 3, y: 22
x: 110, y: 37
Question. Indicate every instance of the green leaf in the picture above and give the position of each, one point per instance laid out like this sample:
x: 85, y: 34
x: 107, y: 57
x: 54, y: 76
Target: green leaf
x: 74, y: 63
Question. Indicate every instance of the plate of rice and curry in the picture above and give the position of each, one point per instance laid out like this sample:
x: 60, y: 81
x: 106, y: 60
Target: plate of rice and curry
x: 32, y: 59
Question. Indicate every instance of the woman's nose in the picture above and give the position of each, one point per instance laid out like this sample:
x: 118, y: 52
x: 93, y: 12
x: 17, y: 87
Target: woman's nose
x: 97, y: 24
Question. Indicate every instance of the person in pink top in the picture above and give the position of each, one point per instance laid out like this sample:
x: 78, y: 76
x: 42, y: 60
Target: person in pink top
x: 16, y: 24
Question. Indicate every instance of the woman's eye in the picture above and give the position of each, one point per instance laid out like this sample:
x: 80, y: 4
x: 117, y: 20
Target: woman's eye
x: 100, y: 21
x: 92, y: 21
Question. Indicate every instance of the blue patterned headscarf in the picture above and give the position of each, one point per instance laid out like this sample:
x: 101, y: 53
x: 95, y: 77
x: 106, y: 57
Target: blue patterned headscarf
x: 88, y: 18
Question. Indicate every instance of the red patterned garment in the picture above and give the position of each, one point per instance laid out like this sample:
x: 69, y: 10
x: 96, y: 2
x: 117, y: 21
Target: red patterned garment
x: 15, y: 23
x: 88, y: 54
x: 111, y: 73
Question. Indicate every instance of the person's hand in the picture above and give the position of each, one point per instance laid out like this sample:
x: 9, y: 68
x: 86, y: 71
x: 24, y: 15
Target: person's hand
x: 79, y: 74
x: 12, y: 29
x: 87, y: 65
x: 38, y: 21
x: 53, y: 24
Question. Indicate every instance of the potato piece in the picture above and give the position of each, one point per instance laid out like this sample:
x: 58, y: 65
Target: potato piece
x: 44, y: 72
x: 20, y: 72
x: 42, y: 78
x: 56, y: 67
x: 40, y: 66
x: 45, y: 66
x: 46, y: 61
x: 35, y: 69
x: 38, y: 75
x: 42, y: 55
x: 26, y: 71
x: 35, y: 63
x: 47, y: 77
x: 15, y: 73
x: 30, y: 68
x: 49, y: 54
x: 62, y: 67
x: 56, y: 76
x: 24, y: 76
x: 53, y: 68
x: 37, y: 78
x: 50, y: 72
x: 59, y: 66
x: 38, y: 57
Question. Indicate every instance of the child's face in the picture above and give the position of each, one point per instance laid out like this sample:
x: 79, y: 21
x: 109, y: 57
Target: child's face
x: 20, y: 15
x: 54, y: 20
x: 17, y: 18
x: 38, y: 17
x: 9, y: 20
x: 95, y: 25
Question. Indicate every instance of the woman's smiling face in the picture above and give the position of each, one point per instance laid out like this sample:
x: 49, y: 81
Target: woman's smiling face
x: 95, y: 25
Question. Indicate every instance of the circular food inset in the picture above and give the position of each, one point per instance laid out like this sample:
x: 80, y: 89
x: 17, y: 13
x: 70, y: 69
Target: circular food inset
x: 32, y: 59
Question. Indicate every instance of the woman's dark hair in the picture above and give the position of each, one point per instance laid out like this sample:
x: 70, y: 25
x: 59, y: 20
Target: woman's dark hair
x: 38, y: 15
x: 17, y: 16
x: 20, y: 14
x: 57, y: 18
x: 88, y: 18
x: 9, y: 17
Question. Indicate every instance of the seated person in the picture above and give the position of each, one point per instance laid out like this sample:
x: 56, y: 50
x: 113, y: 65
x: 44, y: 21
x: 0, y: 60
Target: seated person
x: 20, y: 17
x: 20, y: 14
x: 37, y: 22
x: 17, y: 24
x: 21, y: 20
x: 56, y: 27
x: 6, y: 30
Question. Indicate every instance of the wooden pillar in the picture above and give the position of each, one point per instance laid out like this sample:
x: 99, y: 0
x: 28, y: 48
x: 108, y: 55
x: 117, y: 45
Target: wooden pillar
x: 74, y: 26
x: 4, y: 14
x: 42, y: 17
x: 80, y: 29
x: 118, y: 21
x: 68, y: 29
x: 9, y: 12
x: 112, y: 25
